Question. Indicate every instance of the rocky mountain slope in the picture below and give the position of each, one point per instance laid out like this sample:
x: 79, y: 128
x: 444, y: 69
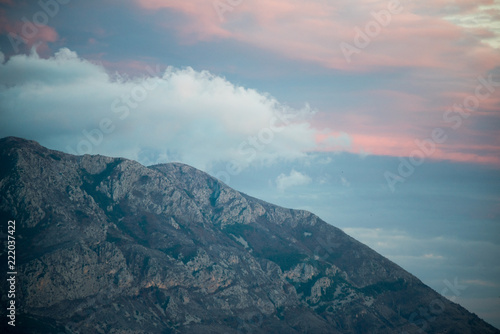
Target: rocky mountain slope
x: 106, y: 245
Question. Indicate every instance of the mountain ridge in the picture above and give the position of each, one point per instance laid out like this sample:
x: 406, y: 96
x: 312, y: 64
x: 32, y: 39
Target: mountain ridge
x: 111, y: 246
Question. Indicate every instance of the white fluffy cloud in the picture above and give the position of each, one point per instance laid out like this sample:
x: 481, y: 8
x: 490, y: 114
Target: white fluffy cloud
x: 294, y: 179
x: 70, y: 104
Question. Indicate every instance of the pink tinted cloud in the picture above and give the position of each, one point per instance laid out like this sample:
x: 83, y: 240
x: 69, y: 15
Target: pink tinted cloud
x: 390, y: 122
x: 468, y: 157
x: 313, y: 31
x: 405, y: 146
x: 383, y: 145
x: 25, y: 35
x: 201, y: 21
x: 490, y: 106
x: 45, y: 34
x: 382, y: 111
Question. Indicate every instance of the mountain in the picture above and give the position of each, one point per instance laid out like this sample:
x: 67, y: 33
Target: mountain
x: 106, y: 245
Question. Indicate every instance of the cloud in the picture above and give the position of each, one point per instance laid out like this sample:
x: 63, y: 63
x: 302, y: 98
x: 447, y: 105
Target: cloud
x: 344, y: 182
x: 482, y: 283
x: 479, y: 17
x: 393, y: 122
x: 26, y: 34
x: 294, y: 179
x: 419, y: 254
x: 70, y: 104
x: 440, y: 47
x: 331, y: 141
x: 420, y: 35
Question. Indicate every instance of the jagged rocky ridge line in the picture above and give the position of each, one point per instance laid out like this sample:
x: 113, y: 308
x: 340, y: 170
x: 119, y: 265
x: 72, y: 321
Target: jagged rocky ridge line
x: 106, y: 245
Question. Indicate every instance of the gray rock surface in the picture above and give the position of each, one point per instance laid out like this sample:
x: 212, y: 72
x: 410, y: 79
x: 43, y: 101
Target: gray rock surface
x: 106, y: 245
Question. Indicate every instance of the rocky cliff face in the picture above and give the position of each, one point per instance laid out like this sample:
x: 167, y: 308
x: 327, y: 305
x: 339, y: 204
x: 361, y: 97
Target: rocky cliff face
x: 106, y: 245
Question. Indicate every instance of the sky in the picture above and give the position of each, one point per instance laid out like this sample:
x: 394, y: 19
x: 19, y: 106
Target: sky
x: 381, y: 117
